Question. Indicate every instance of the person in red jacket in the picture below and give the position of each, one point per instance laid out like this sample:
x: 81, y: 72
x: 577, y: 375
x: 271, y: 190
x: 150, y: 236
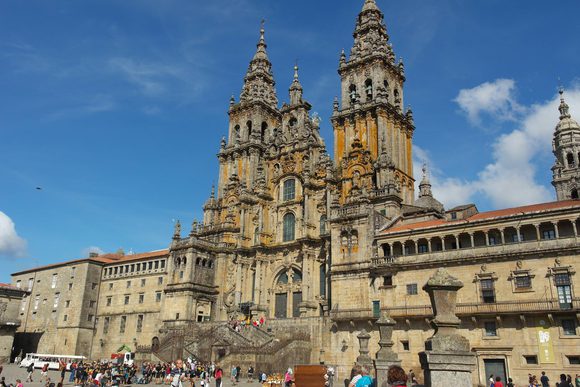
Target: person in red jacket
x: 498, y: 382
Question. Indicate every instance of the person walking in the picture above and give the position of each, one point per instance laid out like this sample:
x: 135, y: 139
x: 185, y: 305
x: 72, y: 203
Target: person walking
x: 30, y: 370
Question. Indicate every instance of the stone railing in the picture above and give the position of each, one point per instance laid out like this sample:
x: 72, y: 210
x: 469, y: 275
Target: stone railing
x: 465, y: 309
x: 478, y: 251
x: 349, y: 211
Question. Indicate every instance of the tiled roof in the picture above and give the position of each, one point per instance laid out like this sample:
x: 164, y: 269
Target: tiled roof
x: 103, y: 259
x: 10, y: 287
x: 507, y: 212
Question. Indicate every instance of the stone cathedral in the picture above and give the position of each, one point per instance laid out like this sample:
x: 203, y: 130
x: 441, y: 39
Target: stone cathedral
x: 321, y: 246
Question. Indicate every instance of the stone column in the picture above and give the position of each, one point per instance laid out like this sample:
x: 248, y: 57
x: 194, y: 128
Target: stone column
x: 385, y: 357
x: 238, y: 292
x: 447, y: 359
x: 363, y: 358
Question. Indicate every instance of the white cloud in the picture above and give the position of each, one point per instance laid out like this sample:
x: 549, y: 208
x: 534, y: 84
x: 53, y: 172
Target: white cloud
x: 495, y: 99
x: 510, y: 178
x: 149, y: 77
x: 92, y: 249
x: 11, y: 245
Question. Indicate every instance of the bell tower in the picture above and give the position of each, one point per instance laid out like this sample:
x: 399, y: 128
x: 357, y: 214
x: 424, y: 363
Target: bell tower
x: 566, y: 148
x: 372, y: 131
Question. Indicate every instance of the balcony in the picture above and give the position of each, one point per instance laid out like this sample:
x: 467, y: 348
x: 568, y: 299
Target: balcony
x: 463, y: 310
x: 516, y: 248
x: 349, y: 212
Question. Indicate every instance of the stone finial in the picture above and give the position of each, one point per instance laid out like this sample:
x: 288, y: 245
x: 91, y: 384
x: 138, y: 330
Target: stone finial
x: 386, y: 326
x: 177, y: 230
x: 363, y: 340
x: 447, y: 359
x: 442, y: 289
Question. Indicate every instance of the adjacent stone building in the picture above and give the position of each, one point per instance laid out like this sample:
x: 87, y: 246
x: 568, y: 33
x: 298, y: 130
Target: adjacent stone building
x: 320, y: 247
x: 10, y: 300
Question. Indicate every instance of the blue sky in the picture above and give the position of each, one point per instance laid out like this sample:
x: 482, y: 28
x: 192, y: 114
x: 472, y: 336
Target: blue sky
x: 116, y: 108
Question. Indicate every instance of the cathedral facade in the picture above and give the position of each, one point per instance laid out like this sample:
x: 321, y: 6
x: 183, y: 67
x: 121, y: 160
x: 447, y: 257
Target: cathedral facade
x: 321, y: 246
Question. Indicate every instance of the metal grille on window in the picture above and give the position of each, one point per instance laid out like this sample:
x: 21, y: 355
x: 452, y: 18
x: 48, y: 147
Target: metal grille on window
x: 523, y: 282
x: 562, y: 279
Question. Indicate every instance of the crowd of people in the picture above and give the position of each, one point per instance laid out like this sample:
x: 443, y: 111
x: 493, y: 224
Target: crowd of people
x: 191, y: 373
x: 565, y: 380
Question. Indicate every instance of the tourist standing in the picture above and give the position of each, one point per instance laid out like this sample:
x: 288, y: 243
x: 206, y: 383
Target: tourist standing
x: 19, y: 383
x: 545, y: 380
x: 365, y: 380
x: 219, y: 373
x: 577, y: 380
x: 564, y: 381
x: 498, y: 382
x: 510, y: 383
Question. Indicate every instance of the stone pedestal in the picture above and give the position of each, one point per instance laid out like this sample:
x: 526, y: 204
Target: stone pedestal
x: 385, y: 356
x: 363, y: 358
x: 447, y: 360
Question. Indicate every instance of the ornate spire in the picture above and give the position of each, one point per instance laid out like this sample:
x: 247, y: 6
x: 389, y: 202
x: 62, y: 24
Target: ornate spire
x: 259, y: 82
x: 370, y: 34
x: 295, y: 88
x: 564, y: 112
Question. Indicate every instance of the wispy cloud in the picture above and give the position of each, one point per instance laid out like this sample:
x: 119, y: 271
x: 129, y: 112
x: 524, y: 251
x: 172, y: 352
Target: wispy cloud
x: 92, y: 105
x: 149, y: 77
x: 510, y: 178
x: 495, y: 100
x: 11, y: 244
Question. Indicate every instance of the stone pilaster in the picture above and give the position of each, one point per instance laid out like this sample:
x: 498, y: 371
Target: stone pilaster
x: 447, y: 360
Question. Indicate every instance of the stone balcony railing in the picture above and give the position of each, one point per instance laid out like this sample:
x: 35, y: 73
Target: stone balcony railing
x: 516, y: 248
x: 350, y: 211
x: 465, y: 309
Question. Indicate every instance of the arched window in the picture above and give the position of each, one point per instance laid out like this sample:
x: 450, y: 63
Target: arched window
x: 263, y: 132
x: 198, y: 262
x: 323, y: 224
x: 570, y: 159
x: 296, y: 276
x: 292, y: 122
x: 283, y: 278
x: 203, y: 263
x: 369, y: 89
x: 249, y: 127
x: 288, y: 232
x: 256, y: 236
x: 352, y: 93
x: 397, y: 99
x: 574, y: 194
x: 236, y: 133
x: 184, y: 261
x: 289, y: 191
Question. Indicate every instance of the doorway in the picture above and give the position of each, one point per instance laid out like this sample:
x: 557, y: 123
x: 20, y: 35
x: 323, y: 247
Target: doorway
x: 495, y: 367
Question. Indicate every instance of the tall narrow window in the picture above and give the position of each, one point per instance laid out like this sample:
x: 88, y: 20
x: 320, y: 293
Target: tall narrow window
x: 56, y: 300
x: 369, y: 89
x: 289, y: 191
x: 289, y: 232
x: 140, y: 323
x: 54, y: 280
x: 106, y: 322
x: 487, y: 291
x: 123, y: 324
x: 562, y: 282
x: 323, y: 280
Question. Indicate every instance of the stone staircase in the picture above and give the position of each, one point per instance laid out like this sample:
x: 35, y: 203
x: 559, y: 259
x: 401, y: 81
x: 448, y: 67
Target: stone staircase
x: 217, y: 341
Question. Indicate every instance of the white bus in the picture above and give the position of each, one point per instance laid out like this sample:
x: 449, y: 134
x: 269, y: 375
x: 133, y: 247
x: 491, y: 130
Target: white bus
x: 39, y: 360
